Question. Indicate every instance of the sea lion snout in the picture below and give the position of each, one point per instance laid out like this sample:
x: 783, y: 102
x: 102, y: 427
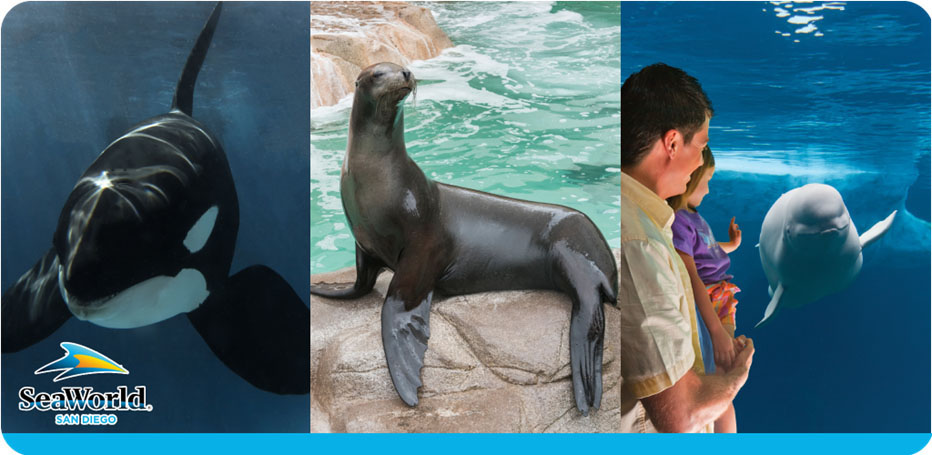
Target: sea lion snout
x: 380, y: 90
x: 386, y: 78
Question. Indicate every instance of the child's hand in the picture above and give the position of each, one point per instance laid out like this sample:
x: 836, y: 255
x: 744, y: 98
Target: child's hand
x: 724, y: 347
x: 734, y: 237
x: 734, y: 234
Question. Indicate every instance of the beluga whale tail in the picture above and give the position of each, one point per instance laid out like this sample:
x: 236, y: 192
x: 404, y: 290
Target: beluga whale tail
x: 810, y: 248
x: 147, y: 233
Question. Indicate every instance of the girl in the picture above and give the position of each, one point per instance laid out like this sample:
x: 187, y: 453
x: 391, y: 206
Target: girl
x: 707, y: 263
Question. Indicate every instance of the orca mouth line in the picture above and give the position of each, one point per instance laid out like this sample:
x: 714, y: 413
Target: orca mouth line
x: 75, y: 302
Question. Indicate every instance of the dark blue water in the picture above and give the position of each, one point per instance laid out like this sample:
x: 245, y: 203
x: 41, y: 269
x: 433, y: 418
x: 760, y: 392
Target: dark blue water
x: 845, y: 104
x: 74, y: 77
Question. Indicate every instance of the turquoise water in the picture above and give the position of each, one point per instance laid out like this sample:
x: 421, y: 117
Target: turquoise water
x: 526, y: 104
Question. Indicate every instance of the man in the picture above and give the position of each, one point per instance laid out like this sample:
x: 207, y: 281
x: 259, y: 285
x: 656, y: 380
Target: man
x: 665, y: 125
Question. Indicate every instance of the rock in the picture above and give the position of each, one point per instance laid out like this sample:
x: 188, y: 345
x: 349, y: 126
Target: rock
x: 496, y: 362
x: 349, y: 36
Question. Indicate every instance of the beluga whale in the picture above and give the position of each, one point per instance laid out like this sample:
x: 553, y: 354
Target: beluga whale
x: 810, y: 248
x: 147, y: 233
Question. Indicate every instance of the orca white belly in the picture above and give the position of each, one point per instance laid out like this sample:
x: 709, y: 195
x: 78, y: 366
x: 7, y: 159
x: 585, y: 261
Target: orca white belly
x: 145, y: 303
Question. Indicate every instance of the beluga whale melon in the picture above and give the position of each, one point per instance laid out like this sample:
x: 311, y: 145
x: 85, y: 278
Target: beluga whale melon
x: 810, y: 248
x: 147, y: 233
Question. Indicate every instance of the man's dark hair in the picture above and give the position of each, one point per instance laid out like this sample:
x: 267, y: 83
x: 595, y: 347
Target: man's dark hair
x: 657, y: 99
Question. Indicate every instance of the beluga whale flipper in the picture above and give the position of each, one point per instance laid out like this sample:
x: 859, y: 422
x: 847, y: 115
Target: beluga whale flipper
x: 147, y: 233
x: 809, y: 248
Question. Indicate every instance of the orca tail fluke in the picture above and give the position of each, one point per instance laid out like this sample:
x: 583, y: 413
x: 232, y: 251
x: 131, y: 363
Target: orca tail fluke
x: 184, y: 91
x: 33, y: 308
x: 259, y: 327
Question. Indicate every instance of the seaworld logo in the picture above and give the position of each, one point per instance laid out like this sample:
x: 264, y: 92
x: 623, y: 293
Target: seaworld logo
x: 79, y: 361
x: 84, y: 398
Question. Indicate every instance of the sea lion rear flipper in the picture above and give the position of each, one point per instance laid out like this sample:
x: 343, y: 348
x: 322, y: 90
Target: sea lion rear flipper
x: 876, y: 231
x: 772, y: 306
x: 33, y: 307
x: 405, y: 331
x: 587, y: 333
x: 367, y: 270
x: 259, y: 327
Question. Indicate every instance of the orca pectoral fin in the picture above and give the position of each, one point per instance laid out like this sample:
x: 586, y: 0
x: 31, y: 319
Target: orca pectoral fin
x: 772, y: 306
x: 367, y: 270
x: 259, y: 327
x: 404, y: 337
x: 876, y: 231
x: 587, y: 334
x: 33, y: 307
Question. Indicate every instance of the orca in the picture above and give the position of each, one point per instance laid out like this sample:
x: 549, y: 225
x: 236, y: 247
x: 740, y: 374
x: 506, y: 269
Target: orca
x: 148, y: 232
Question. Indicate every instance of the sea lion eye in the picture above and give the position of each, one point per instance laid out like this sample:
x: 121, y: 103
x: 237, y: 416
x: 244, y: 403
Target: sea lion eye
x: 378, y: 74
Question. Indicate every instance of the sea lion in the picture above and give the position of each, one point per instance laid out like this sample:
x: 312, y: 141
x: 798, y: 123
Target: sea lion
x: 451, y: 240
x: 809, y: 247
x: 148, y: 232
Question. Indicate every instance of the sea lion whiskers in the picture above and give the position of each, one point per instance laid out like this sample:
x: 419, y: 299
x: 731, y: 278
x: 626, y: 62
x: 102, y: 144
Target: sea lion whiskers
x: 389, y: 104
x: 414, y: 84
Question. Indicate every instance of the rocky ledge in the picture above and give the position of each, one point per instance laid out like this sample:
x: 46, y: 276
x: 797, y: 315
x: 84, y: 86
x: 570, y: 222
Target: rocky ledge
x: 349, y: 36
x: 496, y: 362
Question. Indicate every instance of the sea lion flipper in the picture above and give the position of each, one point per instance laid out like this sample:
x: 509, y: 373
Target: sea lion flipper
x: 587, y: 333
x: 259, y: 327
x: 404, y: 337
x: 33, y: 307
x: 368, y: 268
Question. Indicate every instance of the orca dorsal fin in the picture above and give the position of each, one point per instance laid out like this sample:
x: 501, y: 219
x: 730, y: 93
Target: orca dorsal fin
x: 184, y: 91
x: 876, y: 231
x: 772, y: 306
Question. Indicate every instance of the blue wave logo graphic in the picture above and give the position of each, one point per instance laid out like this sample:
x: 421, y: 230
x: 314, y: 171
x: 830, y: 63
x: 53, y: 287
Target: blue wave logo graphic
x: 79, y: 361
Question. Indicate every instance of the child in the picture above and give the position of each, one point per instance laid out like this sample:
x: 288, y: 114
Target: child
x: 707, y: 262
